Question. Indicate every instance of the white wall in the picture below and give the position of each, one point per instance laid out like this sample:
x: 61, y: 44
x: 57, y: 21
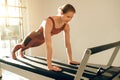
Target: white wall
x: 36, y: 10
x: 96, y: 22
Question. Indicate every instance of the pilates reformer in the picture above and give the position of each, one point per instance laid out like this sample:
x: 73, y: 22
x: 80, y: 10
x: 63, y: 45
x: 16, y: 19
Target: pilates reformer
x: 35, y: 68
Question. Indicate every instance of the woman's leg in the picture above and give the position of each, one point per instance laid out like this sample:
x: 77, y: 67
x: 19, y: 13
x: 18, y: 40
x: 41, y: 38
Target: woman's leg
x: 31, y: 40
x: 22, y: 51
x: 16, y: 48
x: 26, y: 44
x: 23, y: 45
x: 33, y: 43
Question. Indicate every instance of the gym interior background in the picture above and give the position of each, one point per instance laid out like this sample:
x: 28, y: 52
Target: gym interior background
x: 96, y: 22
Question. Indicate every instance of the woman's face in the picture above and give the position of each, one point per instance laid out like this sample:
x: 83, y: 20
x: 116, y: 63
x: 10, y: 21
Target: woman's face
x: 67, y: 16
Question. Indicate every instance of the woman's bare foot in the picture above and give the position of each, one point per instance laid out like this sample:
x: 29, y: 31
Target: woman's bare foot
x: 74, y: 62
x: 14, y: 56
x: 54, y: 68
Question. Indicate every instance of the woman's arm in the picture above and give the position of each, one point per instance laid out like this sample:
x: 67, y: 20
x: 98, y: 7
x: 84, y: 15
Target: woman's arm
x: 67, y: 42
x: 68, y: 45
x: 48, y: 29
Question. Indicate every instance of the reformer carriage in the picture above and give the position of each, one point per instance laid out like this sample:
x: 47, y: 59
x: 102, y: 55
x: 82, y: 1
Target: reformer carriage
x: 35, y: 68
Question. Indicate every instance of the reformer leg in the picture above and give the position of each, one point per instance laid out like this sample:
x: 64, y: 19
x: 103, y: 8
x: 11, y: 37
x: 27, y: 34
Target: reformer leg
x: 113, y: 55
x: 83, y: 65
x: 0, y: 71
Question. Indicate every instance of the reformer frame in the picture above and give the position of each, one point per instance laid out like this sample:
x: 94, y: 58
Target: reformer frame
x: 78, y: 74
x: 94, y: 50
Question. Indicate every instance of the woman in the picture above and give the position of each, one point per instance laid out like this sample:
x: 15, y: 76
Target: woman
x: 51, y: 26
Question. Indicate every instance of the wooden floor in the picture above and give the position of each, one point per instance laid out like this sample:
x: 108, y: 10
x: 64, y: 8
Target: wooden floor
x: 11, y: 76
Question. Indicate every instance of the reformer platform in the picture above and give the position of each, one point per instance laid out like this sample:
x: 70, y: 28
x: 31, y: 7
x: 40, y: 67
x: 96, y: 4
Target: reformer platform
x: 35, y: 68
x: 38, y: 67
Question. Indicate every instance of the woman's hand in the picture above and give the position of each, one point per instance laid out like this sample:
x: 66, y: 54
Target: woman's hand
x: 74, y: 62
x: 54, y: 68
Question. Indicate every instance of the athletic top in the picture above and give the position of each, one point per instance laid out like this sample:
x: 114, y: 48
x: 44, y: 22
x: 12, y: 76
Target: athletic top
x: 56, y: 30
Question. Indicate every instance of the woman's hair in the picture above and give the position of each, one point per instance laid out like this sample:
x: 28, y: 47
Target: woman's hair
x: 66, y: 8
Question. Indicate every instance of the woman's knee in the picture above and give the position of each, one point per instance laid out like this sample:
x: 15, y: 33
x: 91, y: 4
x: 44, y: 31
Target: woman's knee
x: 26, y: 41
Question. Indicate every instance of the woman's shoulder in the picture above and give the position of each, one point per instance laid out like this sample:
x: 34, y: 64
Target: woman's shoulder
x: 53, y: 17
x: 49, y: 20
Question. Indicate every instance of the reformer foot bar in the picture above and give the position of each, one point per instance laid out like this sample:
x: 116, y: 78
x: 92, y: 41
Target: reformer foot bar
x: 35, y: 68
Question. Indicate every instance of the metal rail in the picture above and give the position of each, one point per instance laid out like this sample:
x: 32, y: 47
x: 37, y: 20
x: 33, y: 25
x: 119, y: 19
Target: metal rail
x: 90, y: 51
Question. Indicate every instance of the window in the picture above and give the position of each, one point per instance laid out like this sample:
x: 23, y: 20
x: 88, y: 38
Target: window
x: 12, y: 22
